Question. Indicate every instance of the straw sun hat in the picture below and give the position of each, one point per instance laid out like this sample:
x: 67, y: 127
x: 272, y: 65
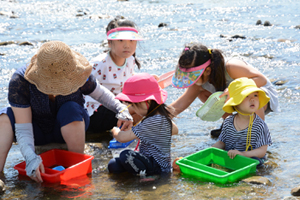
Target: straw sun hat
x: 58, y: 70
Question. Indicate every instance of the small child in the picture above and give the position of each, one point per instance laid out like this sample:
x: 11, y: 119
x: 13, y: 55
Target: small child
x: 245, y: 133
x: 154, y: 131
x: 112, y: 69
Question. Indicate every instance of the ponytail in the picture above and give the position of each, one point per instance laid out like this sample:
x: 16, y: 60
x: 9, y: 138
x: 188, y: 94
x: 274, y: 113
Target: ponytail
x: 217, y: 74
x: 196, y: 54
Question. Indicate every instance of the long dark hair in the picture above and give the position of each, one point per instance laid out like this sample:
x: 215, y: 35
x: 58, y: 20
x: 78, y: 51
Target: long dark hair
x: 120, y: 21
x: 196, y: 54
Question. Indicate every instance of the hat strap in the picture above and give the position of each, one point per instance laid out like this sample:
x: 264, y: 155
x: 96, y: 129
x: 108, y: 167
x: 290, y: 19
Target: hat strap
x: 248, y: 141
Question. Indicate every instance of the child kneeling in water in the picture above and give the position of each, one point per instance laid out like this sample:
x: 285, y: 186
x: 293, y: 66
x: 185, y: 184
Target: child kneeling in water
x: 154, y: 131
x: 245, y: 133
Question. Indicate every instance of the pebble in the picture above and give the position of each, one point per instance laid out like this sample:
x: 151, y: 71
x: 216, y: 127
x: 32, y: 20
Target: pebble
x: 162, y: 24
x: 6, y: 43
x: 2, y: 186
x: 259, y: 180
x: 296, y: 191
x: 258, y: 22
x: 267, y: 23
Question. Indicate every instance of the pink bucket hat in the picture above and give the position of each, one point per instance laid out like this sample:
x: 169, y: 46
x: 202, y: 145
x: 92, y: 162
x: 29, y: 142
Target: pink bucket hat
x: 142, y: 87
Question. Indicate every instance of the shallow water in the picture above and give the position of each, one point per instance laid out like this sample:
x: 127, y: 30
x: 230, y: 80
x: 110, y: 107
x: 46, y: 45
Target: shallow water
x: 273, y: 50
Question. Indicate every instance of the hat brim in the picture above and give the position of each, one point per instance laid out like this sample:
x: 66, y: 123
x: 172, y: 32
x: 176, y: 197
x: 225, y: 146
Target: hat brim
x: 124, y: 35
x: 159, y: 97
x: 185, y: 79
x: 236, y: 100
x: 64, y: 84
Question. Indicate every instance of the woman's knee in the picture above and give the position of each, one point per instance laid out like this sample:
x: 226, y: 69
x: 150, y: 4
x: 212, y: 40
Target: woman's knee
x: 5, y: 124
x: 70, y: 112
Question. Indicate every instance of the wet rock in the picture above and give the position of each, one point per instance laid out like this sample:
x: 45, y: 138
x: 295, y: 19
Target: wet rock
x: 230, y: 38
x: 162, y: 24
x: 89, y: 147
x: 238, y: 37
x: 25, y: 43
x: 289, y: 198
x: 267, y: 23
x: 47, y: 147
x: 14, y: 16
x: 6, y: 43
x: 297, y: 27
x: 259, y: 180
x: 279, y: 82
x: 2, y: 186
x: 99, y: 17
x: 80, y: 14
x: 4, y: 13
x: 285, y: 40
x: 296, y: 191
x: 259, y: 22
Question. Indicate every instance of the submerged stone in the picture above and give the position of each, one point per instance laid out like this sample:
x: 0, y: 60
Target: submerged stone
x: 267, y: 23
x: 162, y: 24
x: 6, y: 43
x: 258, y: 22
x: 296, y: 191
x: 259, y: 180
x: 25, y: 43
x: 2, y: 186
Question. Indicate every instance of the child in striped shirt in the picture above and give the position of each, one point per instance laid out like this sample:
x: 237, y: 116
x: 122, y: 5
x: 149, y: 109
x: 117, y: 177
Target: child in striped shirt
x: 245, y: 133
x: 143, y: 93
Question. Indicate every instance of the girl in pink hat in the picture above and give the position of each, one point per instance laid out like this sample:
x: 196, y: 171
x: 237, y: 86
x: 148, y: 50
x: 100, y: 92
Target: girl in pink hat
x: 204, y: 71
x: 112, y: 69
x: 143, y: 93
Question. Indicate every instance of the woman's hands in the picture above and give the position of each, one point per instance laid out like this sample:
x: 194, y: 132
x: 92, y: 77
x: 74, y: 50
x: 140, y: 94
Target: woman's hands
x: 37, y: 176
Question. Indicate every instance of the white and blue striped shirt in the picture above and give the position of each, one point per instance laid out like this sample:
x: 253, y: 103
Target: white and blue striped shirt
x: 155, y: 140
x: 233, y: 139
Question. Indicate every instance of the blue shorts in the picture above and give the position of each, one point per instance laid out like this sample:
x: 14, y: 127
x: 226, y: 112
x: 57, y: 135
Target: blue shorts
x: 68, y: 113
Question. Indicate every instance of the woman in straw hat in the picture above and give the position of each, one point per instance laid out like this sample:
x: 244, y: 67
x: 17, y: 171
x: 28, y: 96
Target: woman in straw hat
x: 245, y: 133
x: 46, y: 99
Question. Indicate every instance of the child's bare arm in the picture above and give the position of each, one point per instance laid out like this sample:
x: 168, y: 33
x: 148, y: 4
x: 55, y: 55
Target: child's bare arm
x: 259, y: 152
x: 219, y: 144
x: 174, y: 129
x: 123, y: 136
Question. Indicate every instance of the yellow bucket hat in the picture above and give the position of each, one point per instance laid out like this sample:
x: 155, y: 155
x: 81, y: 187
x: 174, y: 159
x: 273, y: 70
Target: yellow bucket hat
x: 239, y: 89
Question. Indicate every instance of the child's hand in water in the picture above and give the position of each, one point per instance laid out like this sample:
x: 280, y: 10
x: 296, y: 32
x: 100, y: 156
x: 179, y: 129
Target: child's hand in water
x: 233, y: 153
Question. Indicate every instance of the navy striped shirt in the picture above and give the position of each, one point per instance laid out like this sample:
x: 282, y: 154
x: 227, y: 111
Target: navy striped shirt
x: 155, y: 140
x: 233, y: 139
